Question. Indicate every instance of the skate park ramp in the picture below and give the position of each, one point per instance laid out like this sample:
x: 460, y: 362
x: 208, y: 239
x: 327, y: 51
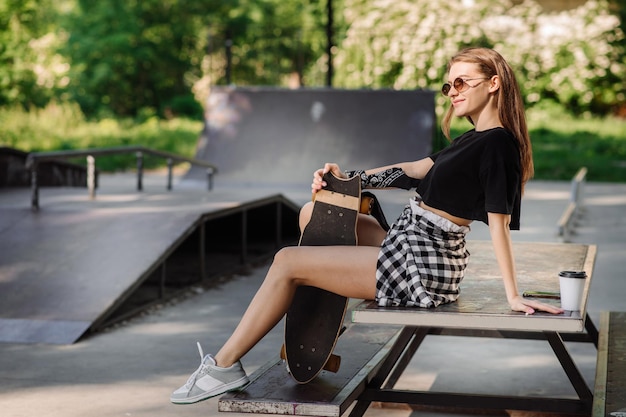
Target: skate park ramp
x: 78, y: 264
x: 262, y: 136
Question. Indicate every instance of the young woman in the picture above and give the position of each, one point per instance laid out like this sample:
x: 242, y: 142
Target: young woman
x: 421, y: 260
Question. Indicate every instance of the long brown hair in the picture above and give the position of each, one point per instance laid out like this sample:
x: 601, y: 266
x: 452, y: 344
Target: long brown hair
x: 508, y: 101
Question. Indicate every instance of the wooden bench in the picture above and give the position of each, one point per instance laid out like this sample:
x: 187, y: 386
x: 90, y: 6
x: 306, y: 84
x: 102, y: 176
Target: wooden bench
x: 273, y: 391
x: 610, y: 387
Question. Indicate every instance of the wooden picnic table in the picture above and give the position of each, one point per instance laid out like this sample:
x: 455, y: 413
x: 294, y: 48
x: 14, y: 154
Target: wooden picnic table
x: 480, y: 311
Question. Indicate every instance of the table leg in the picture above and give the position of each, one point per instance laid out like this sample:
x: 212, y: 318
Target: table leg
x: 570, y: 368
x: 398, y: 350
x: 592, y: 330
x: 420, y: 334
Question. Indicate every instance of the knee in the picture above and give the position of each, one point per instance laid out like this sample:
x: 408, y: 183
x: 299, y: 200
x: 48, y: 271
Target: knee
x: 282, y: 265
x: 283, y: 258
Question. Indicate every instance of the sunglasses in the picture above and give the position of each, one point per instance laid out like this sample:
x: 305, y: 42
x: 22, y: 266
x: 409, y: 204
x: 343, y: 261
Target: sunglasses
x: 460, y: 85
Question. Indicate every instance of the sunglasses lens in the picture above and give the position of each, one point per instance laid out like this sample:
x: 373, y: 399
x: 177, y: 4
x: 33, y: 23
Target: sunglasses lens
x: 459, y: 85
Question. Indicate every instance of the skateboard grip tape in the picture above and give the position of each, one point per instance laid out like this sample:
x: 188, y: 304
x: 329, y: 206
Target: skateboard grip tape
x: 339, y: 200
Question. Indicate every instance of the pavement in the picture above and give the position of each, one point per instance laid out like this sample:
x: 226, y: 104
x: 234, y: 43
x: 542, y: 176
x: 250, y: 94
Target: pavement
x: 131, y: 368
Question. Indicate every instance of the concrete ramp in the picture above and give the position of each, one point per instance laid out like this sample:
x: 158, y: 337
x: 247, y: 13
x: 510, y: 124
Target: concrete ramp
x: 263, y: 135
x: 78, y: 265
x: 60, y: 270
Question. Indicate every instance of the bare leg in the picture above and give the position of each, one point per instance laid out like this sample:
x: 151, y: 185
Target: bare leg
x: 317, y: 266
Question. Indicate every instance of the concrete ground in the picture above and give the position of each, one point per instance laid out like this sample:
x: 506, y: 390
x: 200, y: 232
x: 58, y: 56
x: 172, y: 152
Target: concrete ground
x: 130, y: 369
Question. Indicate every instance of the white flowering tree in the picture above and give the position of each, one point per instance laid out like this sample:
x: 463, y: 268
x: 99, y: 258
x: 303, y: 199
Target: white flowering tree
x: 573, y: 57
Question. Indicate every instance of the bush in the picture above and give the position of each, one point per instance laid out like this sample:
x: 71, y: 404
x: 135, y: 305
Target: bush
x: 574, y: 57
x: 185, y: 106
x: 64, y: 127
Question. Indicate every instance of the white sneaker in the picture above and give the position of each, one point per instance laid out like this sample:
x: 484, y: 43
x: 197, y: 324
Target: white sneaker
x: 209, y: 380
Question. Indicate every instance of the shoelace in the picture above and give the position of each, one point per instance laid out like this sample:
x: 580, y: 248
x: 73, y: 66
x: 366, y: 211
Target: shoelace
x: 192, y: 378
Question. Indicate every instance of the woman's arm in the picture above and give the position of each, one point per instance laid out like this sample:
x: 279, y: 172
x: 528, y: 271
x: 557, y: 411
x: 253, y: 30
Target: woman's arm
x: 416, y: 169
x: 502, y: 245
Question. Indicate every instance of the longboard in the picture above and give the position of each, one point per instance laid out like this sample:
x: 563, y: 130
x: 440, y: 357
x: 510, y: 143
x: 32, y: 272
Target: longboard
x: 314, y: 320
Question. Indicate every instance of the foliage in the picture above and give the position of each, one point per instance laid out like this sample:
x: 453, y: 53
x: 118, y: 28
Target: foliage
x: 64, y: 127
x: 563, y: 143
x: 271, y: 42
x: 574, y: 57
x: 133, y: 58
x: 29, y: 67
x: 130, y: 55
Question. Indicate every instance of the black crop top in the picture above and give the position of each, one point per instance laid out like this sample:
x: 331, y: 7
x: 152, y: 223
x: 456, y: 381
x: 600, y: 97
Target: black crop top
x: 479, y: 172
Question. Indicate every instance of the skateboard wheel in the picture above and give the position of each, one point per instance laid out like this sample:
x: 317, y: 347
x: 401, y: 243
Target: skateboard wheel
x: 333, y: 363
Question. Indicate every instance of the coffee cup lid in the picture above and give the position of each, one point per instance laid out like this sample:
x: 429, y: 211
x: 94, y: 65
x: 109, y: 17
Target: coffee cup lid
x: 573, y: 274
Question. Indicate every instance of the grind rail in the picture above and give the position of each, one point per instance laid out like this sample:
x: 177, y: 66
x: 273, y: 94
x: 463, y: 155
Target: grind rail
x: 567, y: 221
x: 33, y: 159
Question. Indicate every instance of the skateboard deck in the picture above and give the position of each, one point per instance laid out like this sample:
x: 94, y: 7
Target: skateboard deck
x: 314, y: 320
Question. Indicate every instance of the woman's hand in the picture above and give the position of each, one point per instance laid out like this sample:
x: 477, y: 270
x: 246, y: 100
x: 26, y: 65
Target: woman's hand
x: 318, y: 182
x: 527, y: 306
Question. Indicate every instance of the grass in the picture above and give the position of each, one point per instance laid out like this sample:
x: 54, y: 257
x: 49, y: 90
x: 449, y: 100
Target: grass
x: 62, y: 127
x: 561, y: 143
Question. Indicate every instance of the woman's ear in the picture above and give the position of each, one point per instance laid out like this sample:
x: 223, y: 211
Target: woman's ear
x: 494, y: 84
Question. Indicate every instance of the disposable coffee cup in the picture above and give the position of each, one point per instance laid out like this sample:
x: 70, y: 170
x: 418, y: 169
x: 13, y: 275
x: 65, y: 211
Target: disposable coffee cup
x: 572, y: 284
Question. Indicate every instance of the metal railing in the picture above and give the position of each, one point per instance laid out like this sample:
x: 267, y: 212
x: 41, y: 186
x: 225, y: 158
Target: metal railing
x: 567, y: 222
x: 33, y: 159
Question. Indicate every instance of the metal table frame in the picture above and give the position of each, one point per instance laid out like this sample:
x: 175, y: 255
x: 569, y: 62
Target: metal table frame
x: 471, y: 316
x: 380, y: 388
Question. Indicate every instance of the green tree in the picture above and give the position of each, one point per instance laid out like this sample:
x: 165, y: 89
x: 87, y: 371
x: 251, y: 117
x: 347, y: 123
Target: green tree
x: 24, y: 62
x: 271, y: 42
x: 128, y: 55
x: 618, y: 7
x: 571, y: 57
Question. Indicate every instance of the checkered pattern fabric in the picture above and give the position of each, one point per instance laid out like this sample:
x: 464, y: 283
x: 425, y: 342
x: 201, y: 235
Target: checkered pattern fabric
x: 422, y: 260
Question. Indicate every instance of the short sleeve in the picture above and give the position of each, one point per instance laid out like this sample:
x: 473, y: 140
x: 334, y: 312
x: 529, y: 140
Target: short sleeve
x: 434, y: 156
x: 500, y: 176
